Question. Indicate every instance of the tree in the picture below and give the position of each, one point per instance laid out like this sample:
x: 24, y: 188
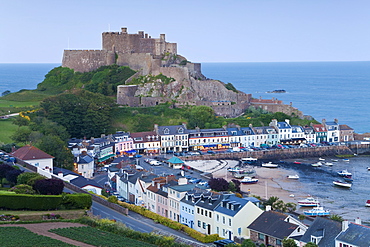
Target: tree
x: 20, y: 121
x: 218, y: 184
x: 54, y: 146
x: 279, y: 205
x: 198, y: 116
x: 12, y: 176
x: 22, y: 135
x: 232, y: 186
x: 288, y: 242
x: 4, y: 169
x: 49, y: 186
x: 271, y: 201
x: 302, y: 217
x: 82, y: 113
x: 336, y: 217
x: 237, y: 185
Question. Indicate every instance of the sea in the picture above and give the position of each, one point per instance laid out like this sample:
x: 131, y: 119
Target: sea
x: 323, y: 90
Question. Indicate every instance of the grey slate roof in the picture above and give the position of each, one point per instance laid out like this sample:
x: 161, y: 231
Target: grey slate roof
x: 272, y: 223
x: 231, y: 205
x: 85, y: 159
x: 82, y: 182
x: 324, y: 227
x: 210, y: 202
x: 172, y: 130
x: 283, y: 125
x: 358, y: 235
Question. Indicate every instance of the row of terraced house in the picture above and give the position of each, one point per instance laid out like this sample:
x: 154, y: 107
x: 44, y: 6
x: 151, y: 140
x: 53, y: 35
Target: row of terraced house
x: 177, y: 138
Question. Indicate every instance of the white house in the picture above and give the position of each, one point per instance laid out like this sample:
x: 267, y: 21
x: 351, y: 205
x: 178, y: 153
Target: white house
x: 35, y: 157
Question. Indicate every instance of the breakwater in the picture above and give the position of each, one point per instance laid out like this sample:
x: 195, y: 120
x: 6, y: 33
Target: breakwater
x: 275, y: 154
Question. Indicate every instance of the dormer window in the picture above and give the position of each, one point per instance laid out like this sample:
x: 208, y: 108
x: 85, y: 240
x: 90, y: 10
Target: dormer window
x: 166, y: 131
x: 180, y: 130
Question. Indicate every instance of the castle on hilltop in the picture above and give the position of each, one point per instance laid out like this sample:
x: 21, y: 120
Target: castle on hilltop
x: 156, y: 56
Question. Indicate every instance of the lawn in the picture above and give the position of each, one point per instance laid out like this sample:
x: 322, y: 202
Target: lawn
x: 19, y: 236
x: 7, y: 129
x: 98, y: 237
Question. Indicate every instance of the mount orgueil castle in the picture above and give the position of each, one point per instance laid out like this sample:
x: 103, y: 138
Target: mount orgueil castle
x: 155, y: 56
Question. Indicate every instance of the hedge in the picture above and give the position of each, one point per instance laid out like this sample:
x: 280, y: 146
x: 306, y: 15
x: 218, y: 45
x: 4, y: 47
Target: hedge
x: 76, y: 201
x: 172, y: 224
x: 45, y: 202
x: 30, y: 202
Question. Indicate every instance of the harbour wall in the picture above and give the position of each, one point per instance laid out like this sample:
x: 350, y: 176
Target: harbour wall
x: 278, y: 154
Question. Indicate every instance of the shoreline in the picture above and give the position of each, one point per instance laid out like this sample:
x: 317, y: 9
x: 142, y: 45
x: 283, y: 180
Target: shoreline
x: 269, y: 179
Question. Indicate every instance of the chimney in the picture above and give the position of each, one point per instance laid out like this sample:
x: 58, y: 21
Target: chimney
x: 238, y: 127
x: 156, y: 128
x: 344, y: 225
x: 358, y: 221
x: 60, y: 174
x: 287, y: 121
x: 336, y: 120
x: 124, y: 30
x: 268, y: 208
x: 324, y: 121
x: 184, y: 124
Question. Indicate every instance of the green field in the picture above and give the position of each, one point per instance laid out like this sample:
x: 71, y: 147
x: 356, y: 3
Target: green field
x: 7, y: 129
x: 97, y: 237
x: 20, y: 236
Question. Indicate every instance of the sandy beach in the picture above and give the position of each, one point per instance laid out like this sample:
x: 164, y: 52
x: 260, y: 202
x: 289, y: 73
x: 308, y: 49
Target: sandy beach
x: 271, y: 181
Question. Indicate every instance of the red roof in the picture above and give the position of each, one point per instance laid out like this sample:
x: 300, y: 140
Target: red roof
x: 30, y: 153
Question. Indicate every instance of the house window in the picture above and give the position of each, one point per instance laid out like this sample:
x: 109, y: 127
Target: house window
x: 217, y: 217
x: 217, y: 230
x: 229, y: 222
x: 205, y: 212
x: 261, y: 236
x: 210, y: 214
x: 204, y: 225
x: 199, y: 224
x: 201, y: 211
x: 278, y: 242
x: 223, y: 220
x: 240, y: 231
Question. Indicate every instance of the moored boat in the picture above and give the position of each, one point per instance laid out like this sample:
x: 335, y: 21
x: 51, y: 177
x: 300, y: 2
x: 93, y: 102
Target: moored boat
x: 346, y: 160
x: 249, y: 160
x: 344, y: 173
x: 234, y: 169
x: 348, y: 179
x: 293, y: 176
x: 249, y: 180
x: 269, y: 165
x: 321, y: 159
x: 316, y: 164
x: 297, y: 162
x: 308, y: 202
x: 317, y: 211
x: 367, y: 204
x: 334, y: 160
x: 328, y: 163
x: 342, y: 184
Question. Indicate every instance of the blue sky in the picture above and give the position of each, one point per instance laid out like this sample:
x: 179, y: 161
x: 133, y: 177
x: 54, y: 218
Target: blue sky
x: 206, y: 31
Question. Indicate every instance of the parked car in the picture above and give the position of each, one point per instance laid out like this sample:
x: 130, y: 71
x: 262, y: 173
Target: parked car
x: 155, y: 163
x: 194, y: 180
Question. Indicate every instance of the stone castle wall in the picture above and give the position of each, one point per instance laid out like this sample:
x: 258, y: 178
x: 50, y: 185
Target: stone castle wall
x: 87, y: 60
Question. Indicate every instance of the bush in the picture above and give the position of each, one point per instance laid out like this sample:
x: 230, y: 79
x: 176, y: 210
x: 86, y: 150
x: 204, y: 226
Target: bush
x: 23, y: 189
x: 49, y: 186
x: 29, y: 178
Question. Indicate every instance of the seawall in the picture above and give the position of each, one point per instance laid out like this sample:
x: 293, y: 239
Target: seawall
x: 278, y: 153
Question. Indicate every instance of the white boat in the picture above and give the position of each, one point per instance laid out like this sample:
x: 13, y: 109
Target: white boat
x: 334, y: 160
x: 367, y: 204
x: 328, y: 164
x: 317, y: 211
x: 269, y: 165
x: 234, y: 169
x: 321, y: 159
x: 249, y: 160
x: 249, y: 180
x: 342, y: 184
x: 347, y: 160
x: 316, y: 164
x: 293, y: 176
x: 308, y: 202
x: 344, y: 173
